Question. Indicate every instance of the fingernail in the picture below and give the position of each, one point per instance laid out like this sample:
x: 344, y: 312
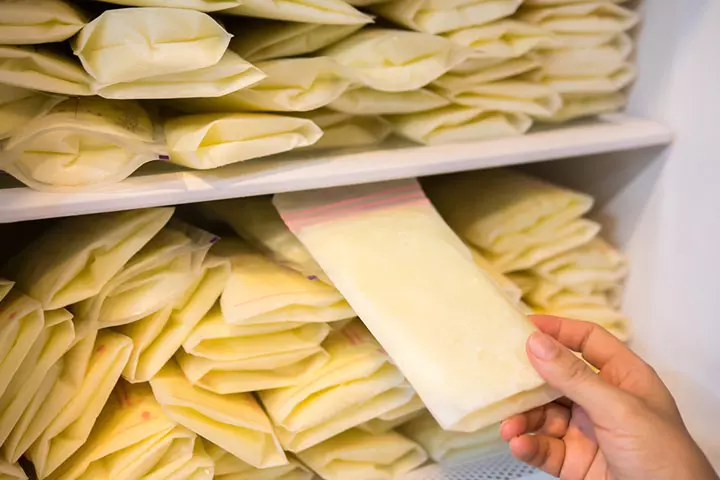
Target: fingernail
x: 543, y: 346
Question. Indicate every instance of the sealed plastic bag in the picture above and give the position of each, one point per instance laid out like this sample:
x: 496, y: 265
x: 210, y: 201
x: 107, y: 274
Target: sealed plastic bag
x: 5, y: 288
x: 438, y: 16
x: 344, y: 130
x: 394, y: 418
x: 31, y: 22
x: 208, y: 141
x: 504, y: 39
x: 226, y: 358
x: 69, y: 430
x: 591, y: 17
x: 332, y: 12
x: 366, y: 101
x: 359, y: 455
x: 41, y: 69
x: 229, y: 467
x: 202, y: 5
x: 53, y: 342
x: 259, y: 291
x: 454, y: 447
x: 229, y: 75
x: 587, y: 62
x: 127, y: 44
x: 18, y: 106
x: 590, y: 310
x: 258, y: 223
x: 13, y: 471
x: 579, y: 106
x: 368, y: 238
x: 358, y: 384
x: 396, y: 60
x: 81, y: 144
x: 267, y: 39
x: 153, y: 279
x: 131, y: 439
x: 593, y: 85
x: 513, y: 292
x: 73, y: 260
x: 474, y: 72
x: 234, y: 422
x: 456, y: 123
x: 157, y: 337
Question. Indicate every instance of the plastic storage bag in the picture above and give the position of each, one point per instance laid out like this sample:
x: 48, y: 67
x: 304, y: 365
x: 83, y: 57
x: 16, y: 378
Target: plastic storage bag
x: 82, y: 144
x: 456, y: 123
x: 396, y: 60
x: 366, y: 101
x: 202, y: 5
x: 208, y: 141
x: 229, y: 467
x: 369, y: 238
x: 260, y: 40
x: 394, y: 418
x: 234, y: 422
x: 585, y: 105
x: 513, y: 292
x: 38, y: 68
x: 344, y: 130
x: 334, y: 12
x: 504, y: 39
x: 259, y: 291
x: 127, y: 44
x: 31, y: 22
x: 586, y: 62
x: 11, y: 471
x: 18, y: 106
x: 439, y: 16
x: 591, y: 17
x: 474, y: 72
x: 359, y: 455
x: 358, y: 384
x: 74, y: 259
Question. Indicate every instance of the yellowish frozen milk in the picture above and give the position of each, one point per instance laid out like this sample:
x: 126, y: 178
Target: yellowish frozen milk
x: 18, y: 106
x: 394, y: 418
x: 129, y: 44
x: 594, y: 85
x: 73, y: 260
x: 584, y: 105
x: 344, y: 130
x: 366, y: 101
x: 229, y: 467
x: 5, y: 287
x: 11, y: 471
x: 582, y: 18
x: 369, y: 239
x: 512, y: 291
x: 31, y: 22
x: 474, y: 72
x: 504, y: 39
x: 38, y: 68
x: 234, y: 422
x: 334, y: 12
x: 208, y: 141
x: 359, y: 455
x: 585, y: 62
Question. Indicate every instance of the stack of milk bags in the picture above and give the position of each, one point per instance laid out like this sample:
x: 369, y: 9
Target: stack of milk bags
x: 532, y: 234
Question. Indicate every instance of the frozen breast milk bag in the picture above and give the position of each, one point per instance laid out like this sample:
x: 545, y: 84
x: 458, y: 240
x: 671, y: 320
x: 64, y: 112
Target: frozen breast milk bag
x: 474, y: 72
x: 449, y: 447
x: 207, y: 141
x: 153, y: 279
x: 260, y: 291
x: 366, y: 101
x: 369, y: 239
x: 344, y: 130
x: 226, y: 358
x: 229, y: 467
x: 258, y: 223
x: 157, y: 337
x: 356, y: 385
x: 394, y: 418
x: 230, y: 74
x: 37, y: 68
x: 73, y: 260
x: 591, y: 17
x: 456, y: 123
x: 332, y: 12
x: 594, y: 85
x: 605, y: 315
x: 82, y: 143
x: 512, y: 291
x: 201, y: 5
x: 18, y: 106
x: 53, y: 342
x: 586, y: 105
x: 260, y: 40
x: 504, y: 39
x: 5, y: 287
x: 71, y: 427
x: 438, y: 16
x: 12, y: 471
x: 31, y: 22
x: 596, y: 61
x: 396, y: 60
x: 129, y: 44
x: 234, y: 422
x: 359, y: 455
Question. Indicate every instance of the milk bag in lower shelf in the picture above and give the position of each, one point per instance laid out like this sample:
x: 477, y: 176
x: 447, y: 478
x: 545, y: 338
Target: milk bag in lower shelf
x: 394, y: 418
x: 415, y: 285
x: 229, y: 467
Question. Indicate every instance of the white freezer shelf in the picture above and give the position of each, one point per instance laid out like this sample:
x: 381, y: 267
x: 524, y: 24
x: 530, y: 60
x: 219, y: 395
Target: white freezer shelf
x: 305, y: 170
x: 500, y: 467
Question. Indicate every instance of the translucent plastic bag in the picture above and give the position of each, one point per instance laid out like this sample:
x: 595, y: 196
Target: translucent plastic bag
x: 359, y: 455
x: 333, y: 12
x: 366, y: 101
x: 438, y: 16
x: 127, y: 44
x: 229, y: 467
x: 260, y: 40
x: 594, y: 85
x: 588, y: 62
x: 394, y: 418
x: 591, y: 17
x: 377, y: 270
x: 344, y: 130
x: 259, y: 291
x: 82, y: 144
x: 73, y: 260
x: 513, y: 292
x: 587, y: 105
x: 396, y: 60
x: 358, y: 384
x: 5, y: 288
x: 474, y: 72
x: 31, y: 22
x: 208, y: 141
x: 37, y: 68
x: 19, y: 106
x: 12, y: 471
x: 456, y: 124
x: 504, y: 39
x: 235, y: 422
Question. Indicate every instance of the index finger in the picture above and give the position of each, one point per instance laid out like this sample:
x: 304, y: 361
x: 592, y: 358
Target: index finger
x: 597, y: 346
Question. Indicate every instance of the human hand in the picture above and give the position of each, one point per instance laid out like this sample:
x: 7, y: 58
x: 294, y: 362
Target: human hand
x: 622, y: 423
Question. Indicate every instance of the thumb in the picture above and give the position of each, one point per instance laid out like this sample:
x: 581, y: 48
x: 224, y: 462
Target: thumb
x: 573, y: 378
